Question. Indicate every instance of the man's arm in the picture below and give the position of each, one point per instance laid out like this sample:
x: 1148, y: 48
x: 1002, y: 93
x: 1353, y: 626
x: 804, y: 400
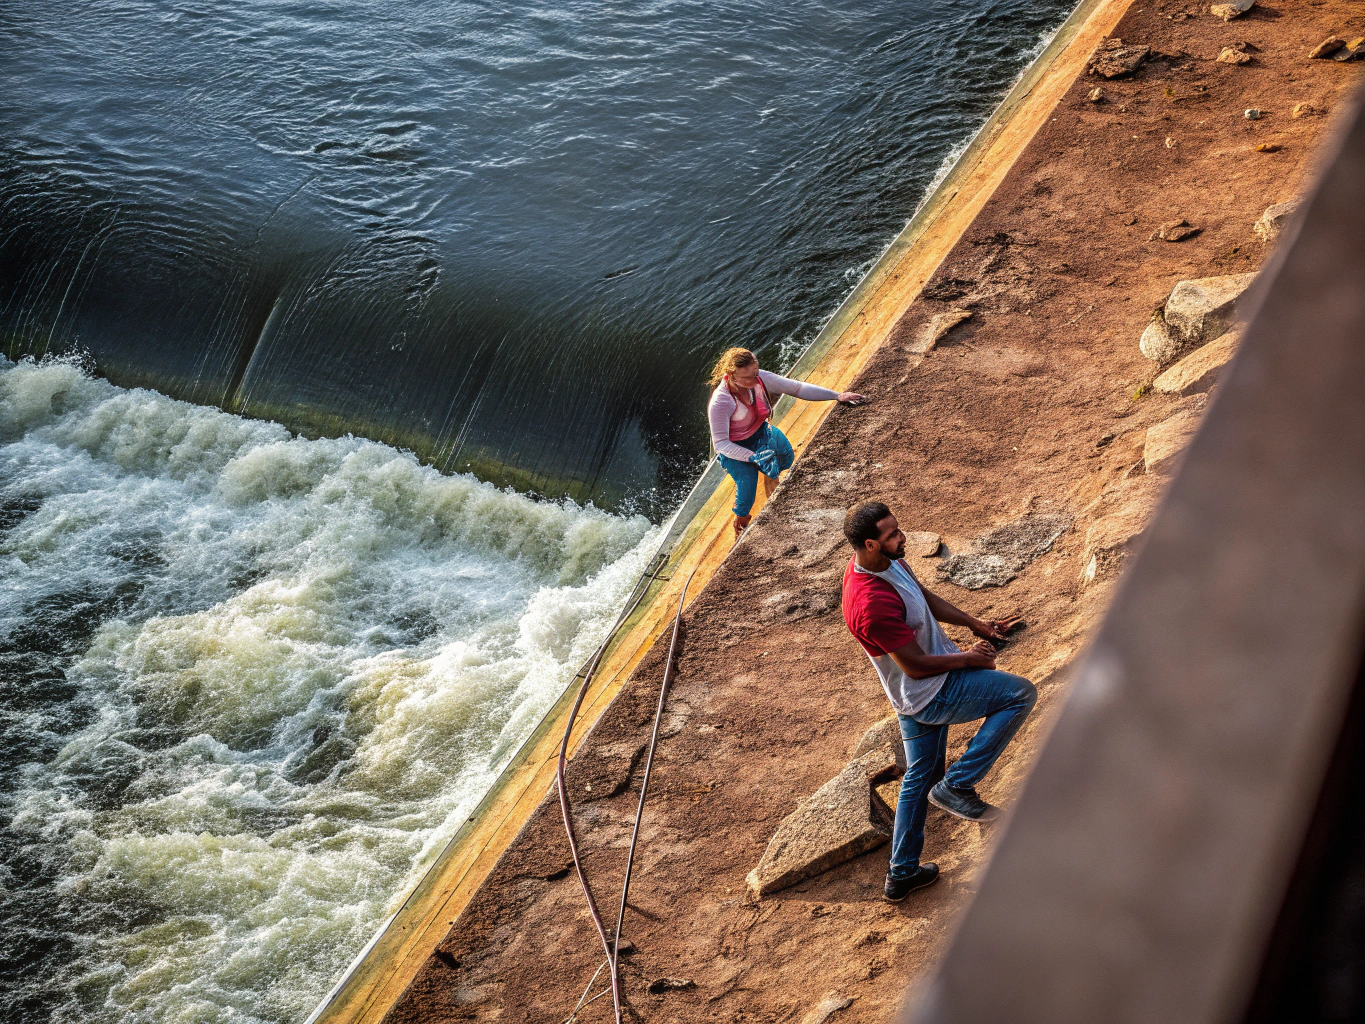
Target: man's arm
x: 918, y: 665
x: 991, y: 629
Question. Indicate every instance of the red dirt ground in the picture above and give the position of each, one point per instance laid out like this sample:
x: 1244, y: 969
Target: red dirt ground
x: 1002, y: 418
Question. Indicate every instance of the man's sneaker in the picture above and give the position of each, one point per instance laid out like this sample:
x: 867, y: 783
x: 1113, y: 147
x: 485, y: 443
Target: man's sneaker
x: 962, y: 802
x: 896, y: 889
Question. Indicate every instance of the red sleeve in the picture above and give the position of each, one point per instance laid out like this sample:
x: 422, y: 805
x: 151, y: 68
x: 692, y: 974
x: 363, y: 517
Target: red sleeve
x: 875, y: 614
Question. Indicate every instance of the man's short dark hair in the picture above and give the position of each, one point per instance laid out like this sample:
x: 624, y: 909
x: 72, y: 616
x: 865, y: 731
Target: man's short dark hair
x: 860, y: 522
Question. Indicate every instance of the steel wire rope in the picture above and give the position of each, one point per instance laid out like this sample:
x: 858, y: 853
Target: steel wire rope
x: 612, y: 947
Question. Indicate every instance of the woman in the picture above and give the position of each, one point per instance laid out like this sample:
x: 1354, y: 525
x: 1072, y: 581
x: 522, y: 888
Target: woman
x: 748, y: 445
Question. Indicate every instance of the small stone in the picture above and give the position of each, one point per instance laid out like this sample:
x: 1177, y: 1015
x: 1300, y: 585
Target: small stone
x: 1118, y: 61
x: 1306, y: 110
x: 1268, y: 227
x: 1111, y: 541
x: 1232, y: 55
x: 1327, y: 47
x: 1167, y: 440
x: 923, y: 545
x: 1353, y: 50
x: 1199, y: 370
x: 660, y: 985
x: 1203, y: 308
x: 1096, y: 95
x: 1170, y: 142
x: 1251, y: 114
x: 1269, y: 147
x: 1158, y: 343
x: 1176, y: 231
x: 937, y: 326
x: 826, y: 1008
x: 1232, y: 10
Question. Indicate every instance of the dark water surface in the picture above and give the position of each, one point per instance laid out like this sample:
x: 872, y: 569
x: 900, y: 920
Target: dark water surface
x: 251, y: 682
x: 508, y: 236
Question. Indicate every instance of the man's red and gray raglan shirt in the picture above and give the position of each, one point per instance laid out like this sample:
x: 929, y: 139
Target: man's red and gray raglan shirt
x: 885, y: 611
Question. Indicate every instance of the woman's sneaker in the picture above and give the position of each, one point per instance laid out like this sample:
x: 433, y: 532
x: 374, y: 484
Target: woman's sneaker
x: 896, y: 889
x: 962, y: 802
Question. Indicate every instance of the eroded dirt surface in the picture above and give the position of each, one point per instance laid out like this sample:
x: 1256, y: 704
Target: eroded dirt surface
x: 1028, y: 406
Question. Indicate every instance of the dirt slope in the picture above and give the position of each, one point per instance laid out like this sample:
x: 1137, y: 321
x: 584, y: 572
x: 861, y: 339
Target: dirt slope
x: 1008, y: 415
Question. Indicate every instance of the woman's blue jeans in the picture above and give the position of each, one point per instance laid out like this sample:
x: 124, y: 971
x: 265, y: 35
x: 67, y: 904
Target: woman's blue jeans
x: 1002, y: 699
x: 745, y: 474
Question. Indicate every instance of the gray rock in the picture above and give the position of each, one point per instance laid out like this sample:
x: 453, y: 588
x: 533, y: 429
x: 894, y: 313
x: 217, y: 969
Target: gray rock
x: 1166, y: 440
x: 1158, y: 344
x: 1002, y: 554
x: 1199, y: 370
x: 885, y: 736
x: 841, y: 820
x: 1114, y: 60
x: 1232, y: 10
x: 923, y: 545
x: 1272, y: 221
x: 1204, y: 308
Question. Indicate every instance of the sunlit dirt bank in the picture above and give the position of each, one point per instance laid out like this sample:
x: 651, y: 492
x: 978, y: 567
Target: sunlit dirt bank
x: 1038, y: 403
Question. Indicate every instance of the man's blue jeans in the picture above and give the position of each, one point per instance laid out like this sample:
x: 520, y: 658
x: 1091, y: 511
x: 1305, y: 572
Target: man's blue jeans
x: 1003, y: 700
x: 745, y: 474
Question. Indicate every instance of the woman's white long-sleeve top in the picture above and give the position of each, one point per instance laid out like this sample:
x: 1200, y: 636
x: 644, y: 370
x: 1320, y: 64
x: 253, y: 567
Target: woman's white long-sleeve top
x: 724, y: 405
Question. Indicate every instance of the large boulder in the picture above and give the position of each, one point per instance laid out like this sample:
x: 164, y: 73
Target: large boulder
x: 1199, y: 370
x: 1202, y: 309
x: 841, y: 820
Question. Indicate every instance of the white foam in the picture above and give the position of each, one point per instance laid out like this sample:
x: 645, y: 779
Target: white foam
x: 337, y: 648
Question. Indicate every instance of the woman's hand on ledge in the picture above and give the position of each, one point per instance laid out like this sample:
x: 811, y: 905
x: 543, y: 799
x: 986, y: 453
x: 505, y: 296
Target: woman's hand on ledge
x: 852, y: 398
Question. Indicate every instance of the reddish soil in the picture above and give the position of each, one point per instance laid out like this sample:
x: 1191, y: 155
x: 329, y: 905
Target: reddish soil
x: 1004, y: 417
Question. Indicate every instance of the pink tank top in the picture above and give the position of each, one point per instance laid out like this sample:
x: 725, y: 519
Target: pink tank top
x: 749, y: 418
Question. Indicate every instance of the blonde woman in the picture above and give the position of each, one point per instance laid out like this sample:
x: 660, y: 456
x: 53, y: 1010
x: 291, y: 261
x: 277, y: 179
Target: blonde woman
x: 749, y: 445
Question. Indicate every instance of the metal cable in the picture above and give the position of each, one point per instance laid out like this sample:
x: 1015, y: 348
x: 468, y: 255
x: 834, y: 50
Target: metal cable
x: 612, y: 946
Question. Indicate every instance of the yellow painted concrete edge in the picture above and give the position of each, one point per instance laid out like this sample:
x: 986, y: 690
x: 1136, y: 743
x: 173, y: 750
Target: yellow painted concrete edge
x: 386, y: 967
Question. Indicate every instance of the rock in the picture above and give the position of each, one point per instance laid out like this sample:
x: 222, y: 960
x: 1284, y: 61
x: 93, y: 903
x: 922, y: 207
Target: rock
x: 1111, y: 541
x: 998, y: 557
x: 1166, y: 440
x: 1269, y: 147
x: 1205, y: 307
x: 937, y: 326
x: 1233, y: 55
x: 1158, y: 343
x: 1353, y: 50
x: 1114, y: 60
x: 659, y: 985
x: 826, y: 1008
x: 1176, y: 231
x: 923, y: 545
x: 885, y: 736
x: 1096, y: 95
x: 1251, y: 114
x: 841, y: 820
x: 1327, y: 47
x: 1306, y: 110
x: 1272, y: 221
x: 1233, y: 10
x: 1199, y: 370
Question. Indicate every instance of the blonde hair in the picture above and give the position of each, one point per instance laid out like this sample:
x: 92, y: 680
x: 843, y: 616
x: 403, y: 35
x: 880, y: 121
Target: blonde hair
x: 733, y: 359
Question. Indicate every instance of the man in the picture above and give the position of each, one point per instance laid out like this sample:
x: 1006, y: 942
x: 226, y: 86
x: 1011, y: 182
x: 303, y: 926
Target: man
x: 931, y: 682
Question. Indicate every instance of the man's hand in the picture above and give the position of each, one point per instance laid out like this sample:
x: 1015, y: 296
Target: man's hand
x: 996, y: 629
x: 981, y: 656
